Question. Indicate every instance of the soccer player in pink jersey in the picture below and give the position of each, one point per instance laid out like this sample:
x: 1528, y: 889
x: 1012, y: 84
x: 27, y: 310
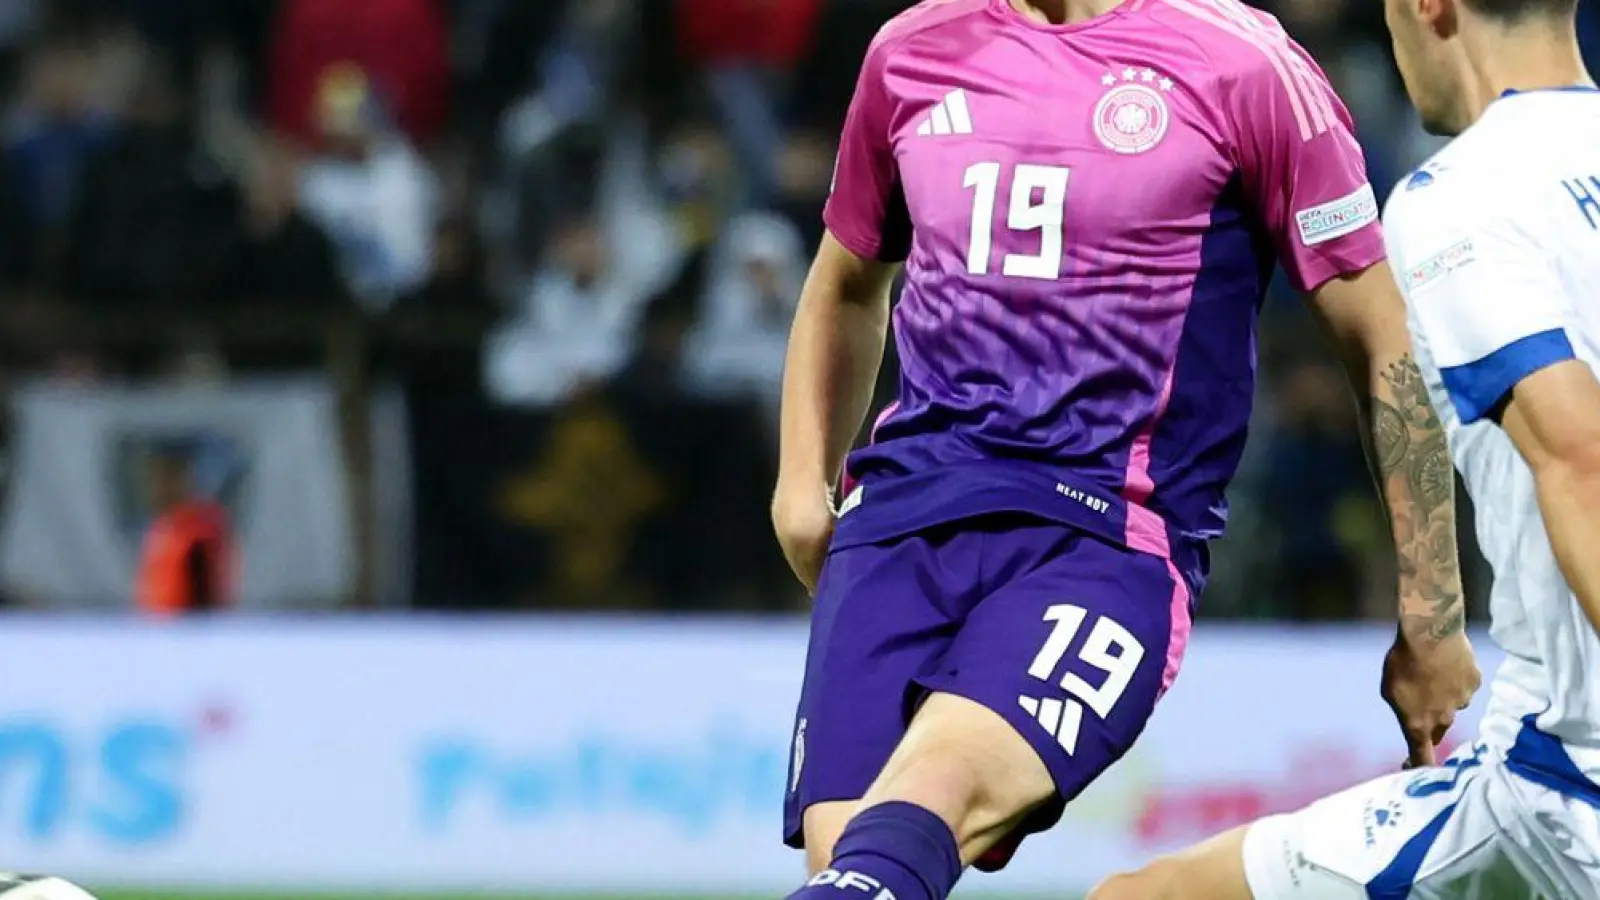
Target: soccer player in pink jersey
x: 1088, y: 198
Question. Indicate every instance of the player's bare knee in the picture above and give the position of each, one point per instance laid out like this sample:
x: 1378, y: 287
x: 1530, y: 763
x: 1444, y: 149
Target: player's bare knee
x: 819, y: 848
x: 817, y: 858
x: 966, y: 764
x: 823, y: 824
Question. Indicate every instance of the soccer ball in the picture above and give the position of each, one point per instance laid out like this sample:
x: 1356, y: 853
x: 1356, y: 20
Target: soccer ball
x: 39, y: 887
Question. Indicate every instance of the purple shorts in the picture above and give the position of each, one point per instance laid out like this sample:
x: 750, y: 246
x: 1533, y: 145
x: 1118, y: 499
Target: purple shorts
x: 1069, y: 638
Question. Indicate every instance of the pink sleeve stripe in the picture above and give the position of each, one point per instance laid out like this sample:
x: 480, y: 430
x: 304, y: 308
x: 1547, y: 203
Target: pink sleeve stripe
x: 1314, y: 91
x: 1275, y: 52
x: 1320, y: 90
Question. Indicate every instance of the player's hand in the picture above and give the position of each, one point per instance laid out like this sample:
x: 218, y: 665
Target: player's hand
x: 803, y: 519
x: 1427, y: 683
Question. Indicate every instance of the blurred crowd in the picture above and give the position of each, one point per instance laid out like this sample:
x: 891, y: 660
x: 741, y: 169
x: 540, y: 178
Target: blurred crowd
x: 559, y: 210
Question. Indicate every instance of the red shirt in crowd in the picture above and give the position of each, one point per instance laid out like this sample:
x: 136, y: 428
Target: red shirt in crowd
x: 401, y: 45
x: 769, y: 32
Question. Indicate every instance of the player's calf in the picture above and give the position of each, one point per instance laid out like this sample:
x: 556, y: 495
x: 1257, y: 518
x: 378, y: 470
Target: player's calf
x: 960, y: 780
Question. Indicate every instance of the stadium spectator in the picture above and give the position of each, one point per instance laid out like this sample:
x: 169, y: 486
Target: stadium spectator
x: 575, y: 325
x: 370, y: 190
x: 748, y: 51
x: 736, y: 349
x: 572, y: 75
x: 283, y: 256
x: 1313, y: 472
x: 186, y: 562
x: 58, y: 126
x: 154, y: 221
x: 18, y: 19
x: 401, y: 45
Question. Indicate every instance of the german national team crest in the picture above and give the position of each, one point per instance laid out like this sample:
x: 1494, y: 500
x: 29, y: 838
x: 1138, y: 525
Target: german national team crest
x: 1133, y: 115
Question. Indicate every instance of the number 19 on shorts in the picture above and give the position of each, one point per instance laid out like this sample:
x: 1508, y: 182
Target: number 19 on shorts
x: 1110, y: 648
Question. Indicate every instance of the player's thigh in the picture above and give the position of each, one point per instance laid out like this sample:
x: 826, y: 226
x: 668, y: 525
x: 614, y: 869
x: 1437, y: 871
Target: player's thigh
x: 1072, y: 647
x: 1432, y: 834
x: 1555, y: 835
x: 881, y: 619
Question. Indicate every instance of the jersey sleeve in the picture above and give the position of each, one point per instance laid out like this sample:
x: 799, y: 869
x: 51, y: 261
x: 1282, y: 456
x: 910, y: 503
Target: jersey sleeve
x: 866, y: 208
x: 1482, y: 297
x: 1303, y: 169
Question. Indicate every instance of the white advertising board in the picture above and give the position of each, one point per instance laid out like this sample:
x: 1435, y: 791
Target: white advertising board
x: 567, y: 755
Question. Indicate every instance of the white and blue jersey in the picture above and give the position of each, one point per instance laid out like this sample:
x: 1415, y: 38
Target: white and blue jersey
x: 1496, y: 245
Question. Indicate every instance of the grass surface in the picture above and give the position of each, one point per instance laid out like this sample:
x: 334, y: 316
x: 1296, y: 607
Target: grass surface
x: 169, y: 895
x: 183, y: 895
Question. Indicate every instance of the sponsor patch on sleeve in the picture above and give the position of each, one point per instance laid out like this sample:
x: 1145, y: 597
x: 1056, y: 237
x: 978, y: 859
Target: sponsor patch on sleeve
x: 1439, y: 265
x: 1337, y: 218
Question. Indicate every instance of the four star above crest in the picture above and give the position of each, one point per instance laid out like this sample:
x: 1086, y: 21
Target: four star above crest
x: 1144, y: 76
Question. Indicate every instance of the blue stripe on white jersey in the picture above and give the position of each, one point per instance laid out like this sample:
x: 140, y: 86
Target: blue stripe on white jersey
x: 1498, y: 253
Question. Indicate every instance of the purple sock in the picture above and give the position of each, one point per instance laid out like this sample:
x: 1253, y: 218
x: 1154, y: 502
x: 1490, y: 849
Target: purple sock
x: 894, y: 851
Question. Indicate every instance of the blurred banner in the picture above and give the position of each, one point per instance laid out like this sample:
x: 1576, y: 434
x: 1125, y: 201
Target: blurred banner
x: 82, y: 493
x: 616, y: 502
x: 560, y: 756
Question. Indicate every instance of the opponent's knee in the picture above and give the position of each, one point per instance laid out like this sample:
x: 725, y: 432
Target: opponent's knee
x: 1154, y: 882
x: 1213, y: 870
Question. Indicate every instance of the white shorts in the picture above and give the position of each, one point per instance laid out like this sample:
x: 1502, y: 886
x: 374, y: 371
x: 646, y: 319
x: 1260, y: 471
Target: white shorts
x: 1466, y: 830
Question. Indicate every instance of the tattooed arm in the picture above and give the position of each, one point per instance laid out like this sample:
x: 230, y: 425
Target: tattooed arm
x: 1430, y: 673
x: 1417, y: 481
x: 1366, y: 317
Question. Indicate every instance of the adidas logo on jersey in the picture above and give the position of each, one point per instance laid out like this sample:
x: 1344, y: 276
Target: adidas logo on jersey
x: 949, y: 116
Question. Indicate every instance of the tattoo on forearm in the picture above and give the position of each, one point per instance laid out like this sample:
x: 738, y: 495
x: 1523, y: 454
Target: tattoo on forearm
x: 1418, y: 482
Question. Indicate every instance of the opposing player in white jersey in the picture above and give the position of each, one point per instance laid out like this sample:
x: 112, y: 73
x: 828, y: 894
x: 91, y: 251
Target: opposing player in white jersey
x: 1497, y: 246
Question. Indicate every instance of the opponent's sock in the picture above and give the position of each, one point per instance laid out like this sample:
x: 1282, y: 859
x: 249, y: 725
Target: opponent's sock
x: 894, y: 851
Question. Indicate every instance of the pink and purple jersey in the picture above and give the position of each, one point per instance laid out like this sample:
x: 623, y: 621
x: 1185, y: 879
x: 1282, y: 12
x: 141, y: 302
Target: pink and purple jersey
x: 1089, y: 216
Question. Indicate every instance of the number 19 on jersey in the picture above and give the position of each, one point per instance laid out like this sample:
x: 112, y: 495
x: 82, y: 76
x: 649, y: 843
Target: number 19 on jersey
x: 1038, y: 203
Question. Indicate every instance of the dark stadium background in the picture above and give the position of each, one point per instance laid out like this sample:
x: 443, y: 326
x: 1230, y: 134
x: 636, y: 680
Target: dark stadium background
x: 572, y: 279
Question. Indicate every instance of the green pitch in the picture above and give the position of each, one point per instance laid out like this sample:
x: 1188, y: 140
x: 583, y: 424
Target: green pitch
x: 167, y: 895
x: 172, y: 895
